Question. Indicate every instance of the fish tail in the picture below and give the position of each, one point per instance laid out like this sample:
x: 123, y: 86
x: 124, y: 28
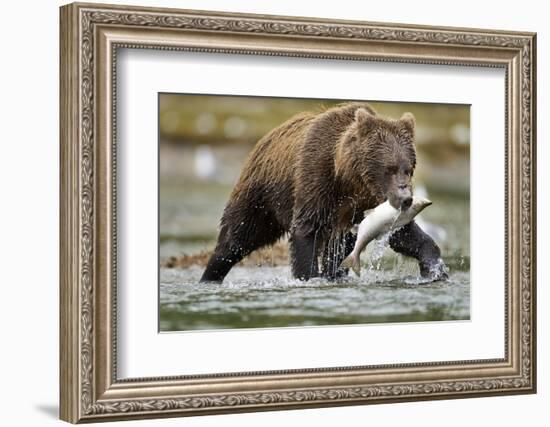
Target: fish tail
x: 352, y: 261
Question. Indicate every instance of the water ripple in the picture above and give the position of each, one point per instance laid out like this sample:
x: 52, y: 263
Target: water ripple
x: 269, y: 297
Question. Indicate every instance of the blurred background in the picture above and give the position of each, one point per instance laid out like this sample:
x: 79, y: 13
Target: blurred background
x: 204, y: 141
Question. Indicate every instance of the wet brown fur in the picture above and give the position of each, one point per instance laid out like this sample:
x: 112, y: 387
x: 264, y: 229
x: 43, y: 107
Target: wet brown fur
x: 312, y: 177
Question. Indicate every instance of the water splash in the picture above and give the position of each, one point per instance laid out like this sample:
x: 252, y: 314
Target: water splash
x: 379, y: 246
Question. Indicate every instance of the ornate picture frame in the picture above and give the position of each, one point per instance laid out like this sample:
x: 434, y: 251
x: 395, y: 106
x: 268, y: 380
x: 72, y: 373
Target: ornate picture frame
x: 90, y: 37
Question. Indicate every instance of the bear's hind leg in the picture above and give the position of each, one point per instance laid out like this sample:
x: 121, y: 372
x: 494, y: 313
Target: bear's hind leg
x: 225, y: 256
x: 242, y: 232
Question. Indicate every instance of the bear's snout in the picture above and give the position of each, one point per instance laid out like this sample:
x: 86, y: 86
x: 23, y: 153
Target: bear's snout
x: 400, y: 195
x: 406, y: 203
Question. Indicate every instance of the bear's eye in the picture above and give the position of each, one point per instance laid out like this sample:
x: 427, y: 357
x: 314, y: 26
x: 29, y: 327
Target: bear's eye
x: 391, y: 170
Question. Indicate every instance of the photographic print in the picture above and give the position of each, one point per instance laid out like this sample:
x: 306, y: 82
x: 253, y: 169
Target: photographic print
x: 286, y: 212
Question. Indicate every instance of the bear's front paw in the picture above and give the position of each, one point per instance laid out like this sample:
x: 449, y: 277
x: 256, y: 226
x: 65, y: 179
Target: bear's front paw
x: 434, y: 270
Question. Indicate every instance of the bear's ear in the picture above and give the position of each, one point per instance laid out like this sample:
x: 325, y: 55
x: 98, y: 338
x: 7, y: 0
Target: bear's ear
x: 361, y: 114
x: 408, y: 120
x: 364, y: 118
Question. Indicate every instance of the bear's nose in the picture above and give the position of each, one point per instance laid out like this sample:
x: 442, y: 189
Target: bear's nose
x: 406, y: 203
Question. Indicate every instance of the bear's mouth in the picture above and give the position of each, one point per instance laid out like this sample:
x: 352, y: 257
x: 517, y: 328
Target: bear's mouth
x: 406, y: 203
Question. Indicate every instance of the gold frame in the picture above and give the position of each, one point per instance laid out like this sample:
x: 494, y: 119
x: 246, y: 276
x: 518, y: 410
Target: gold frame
x: 90, y: 36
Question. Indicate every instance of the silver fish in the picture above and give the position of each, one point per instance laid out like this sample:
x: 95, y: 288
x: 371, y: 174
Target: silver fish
x: 379, y: 221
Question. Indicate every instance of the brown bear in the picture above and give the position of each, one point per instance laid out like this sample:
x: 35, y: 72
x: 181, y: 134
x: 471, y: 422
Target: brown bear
x: 313, y: 177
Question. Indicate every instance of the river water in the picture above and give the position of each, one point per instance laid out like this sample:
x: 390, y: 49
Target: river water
x: 260, y: 296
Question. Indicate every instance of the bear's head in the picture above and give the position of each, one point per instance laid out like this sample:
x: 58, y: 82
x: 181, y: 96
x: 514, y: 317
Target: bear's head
x: 378, y: 154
